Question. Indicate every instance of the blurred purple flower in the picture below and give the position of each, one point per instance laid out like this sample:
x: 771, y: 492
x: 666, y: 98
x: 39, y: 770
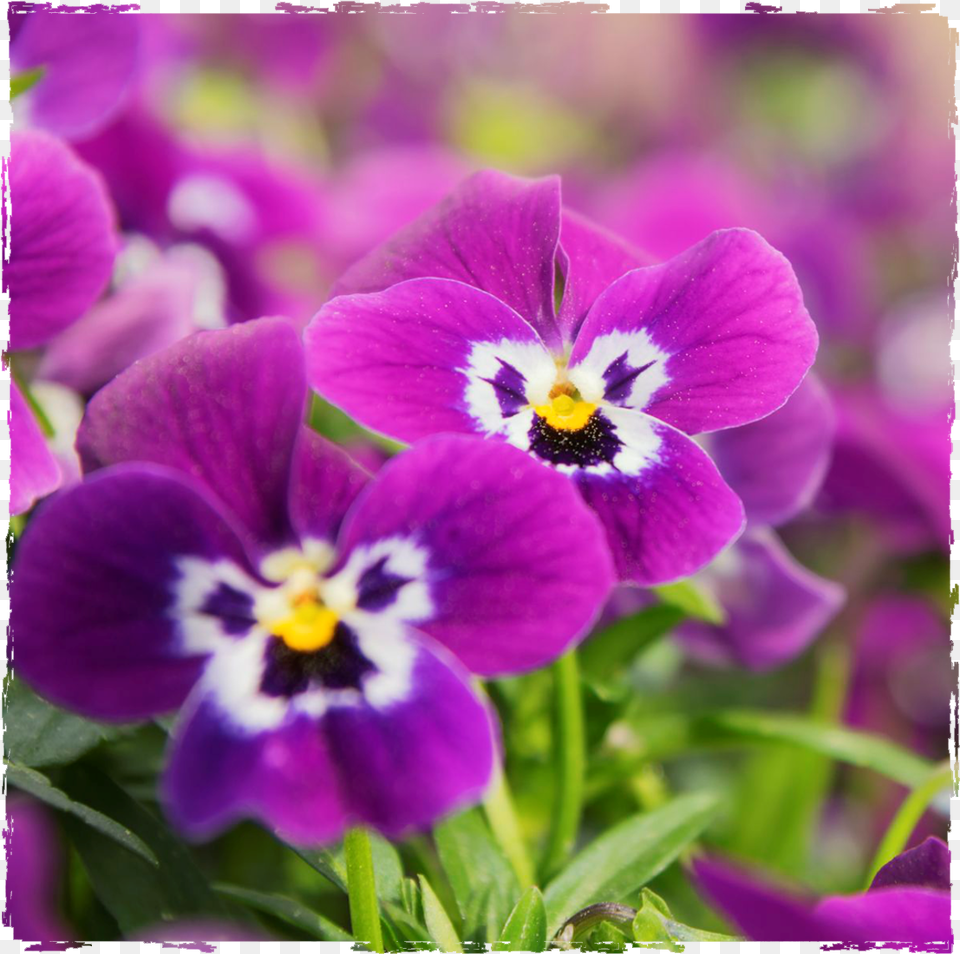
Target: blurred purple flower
x: 317, y: 626
x: 32, y: 873
x: 908, y: 901
x: 88, y: 61
x: 451, y: 326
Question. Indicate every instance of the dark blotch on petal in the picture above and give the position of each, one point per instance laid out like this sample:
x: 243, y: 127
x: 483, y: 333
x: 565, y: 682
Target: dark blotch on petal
x: 339, y: 665
x: 619, y: 378
x: 510, y: 386
x: 378, y: 588
x: 595, y: 443
x: 233, y: 607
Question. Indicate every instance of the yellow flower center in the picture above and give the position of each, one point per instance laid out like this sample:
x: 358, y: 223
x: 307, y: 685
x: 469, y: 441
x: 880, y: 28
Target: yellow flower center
x: 309, y: 627
x: 566, y: 412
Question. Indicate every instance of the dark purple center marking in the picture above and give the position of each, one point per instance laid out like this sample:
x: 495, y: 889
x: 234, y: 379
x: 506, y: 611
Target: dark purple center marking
x: 594, y: 443
x: 232, y: 607
x: 338, y: 665
x: 510, y: 387
x: 619, y: 378
x: 378, y: 588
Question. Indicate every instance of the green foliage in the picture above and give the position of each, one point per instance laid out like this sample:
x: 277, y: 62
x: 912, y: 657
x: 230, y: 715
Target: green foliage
x: 655, y: 926
x: 437, y: 920
x: 526, y: 928
x: 24, y: 81
x: 286, y: 909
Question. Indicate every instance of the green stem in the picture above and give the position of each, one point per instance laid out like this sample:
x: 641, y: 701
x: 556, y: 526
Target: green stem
x: 908, y: 816
x: 362, y: 889
x: 570, y: 756
x: 502, y: 816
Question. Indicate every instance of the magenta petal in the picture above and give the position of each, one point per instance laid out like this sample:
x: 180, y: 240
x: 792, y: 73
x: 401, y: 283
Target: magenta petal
x: 61, y: 239
x: 716, y: 337
x: 88, y: 61
x: 147, y: 314
x: 495, y: 232
x: 516, y: 566
x: 775, y: 607
x: 34, y: 471
x: 908, y: 915
x: 325, y: 482
x: 399, y: 361
x: 222, y: 406
x: 404, y: 765
x: 672, y: 514
x: 593, y: 258
x: 777, y: 464
x: 219, y: 773
x: 925, y: 866
x: 94, y: 594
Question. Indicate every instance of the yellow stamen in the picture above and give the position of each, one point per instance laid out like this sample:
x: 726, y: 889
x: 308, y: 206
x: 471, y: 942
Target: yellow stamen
x: 566, y: 413
x: 308, y: 628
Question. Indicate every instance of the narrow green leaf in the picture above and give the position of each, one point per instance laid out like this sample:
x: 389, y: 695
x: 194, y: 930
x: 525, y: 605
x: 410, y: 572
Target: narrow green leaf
x: 438, y: 921
x: 20, y: 83
x: 626, y: 857
x: 387, y: 867
x: 286, y: 909
x: 693, y: 600
x: 405, y: 924
x: 483, y: 880
x: 135, y: 892
x: 37, y: 733
x: 622, y: 641
x: 39, y: 786
x: 654, y: 923
x: 526, y: 928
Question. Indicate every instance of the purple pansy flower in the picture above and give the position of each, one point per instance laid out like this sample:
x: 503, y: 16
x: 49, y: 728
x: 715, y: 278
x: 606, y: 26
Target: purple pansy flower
x: 318, y: 625
x: 908, y: 901
x: 452, y: 326
x: 88, y: 61
x: 774, y: 606
x: 61, y: 247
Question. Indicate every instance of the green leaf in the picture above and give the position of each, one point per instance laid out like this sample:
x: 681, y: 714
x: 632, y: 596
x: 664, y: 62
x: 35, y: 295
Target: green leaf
x: 135, y: 892
x: 37, y: 733
x: 624, y: 640
x: 663, y: 737
x: 39, y: 786
x: 288, y: 910
x: 438, y: 922
x: 482, y: 878
x: 693, y: 600
x: 655, y: 924
x: 387, y: 867
x: 20, y: 83
x: 626, y: 857
x: 405, y: 924
x: 526, y: 928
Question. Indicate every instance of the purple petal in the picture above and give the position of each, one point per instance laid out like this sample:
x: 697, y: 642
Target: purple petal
x: 88, y: 61
x: 664, y: 505
x: 222, y: 406
x: 426, y: 356
x: 515, y: 566
x: 909, y: 915
x: 33, y: 873
x: 34, y: 471
x: 395, y: 766
x: 325, y: 482
x: 777, y: 464
x: 593, y: 259
x: 61, y: 238
x: 762, y: 912
x: 925, y: 866
x: 775, y: 607
x: 495, y: 232
x: 219, y: 773
x: 94, y: 597
x: 713, y: 338
x: 403, y: 766
x: 151, y: 312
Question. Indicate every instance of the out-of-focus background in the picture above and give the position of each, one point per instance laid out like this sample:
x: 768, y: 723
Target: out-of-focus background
x: 253, y: 158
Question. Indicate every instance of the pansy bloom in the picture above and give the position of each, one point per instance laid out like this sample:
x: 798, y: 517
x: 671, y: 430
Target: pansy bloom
x: 452, y: 326
x: 319, y: 626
